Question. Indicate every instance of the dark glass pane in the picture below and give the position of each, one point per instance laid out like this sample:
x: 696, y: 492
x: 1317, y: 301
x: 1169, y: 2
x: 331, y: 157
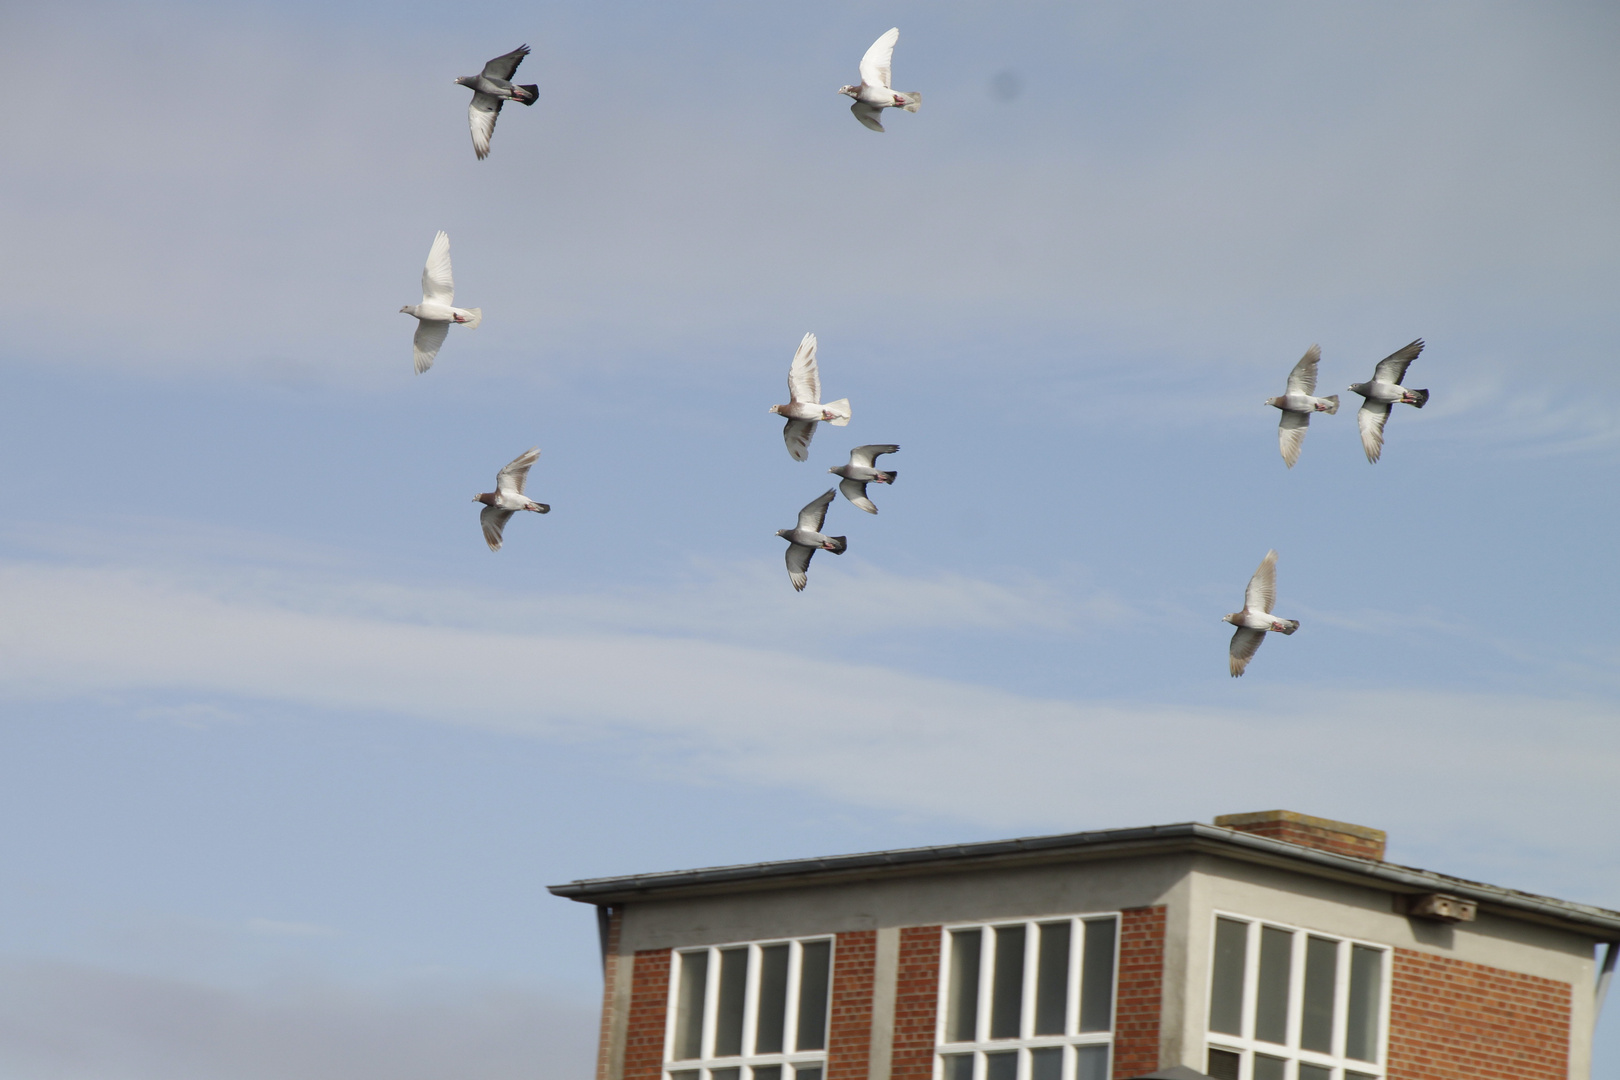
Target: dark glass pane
x: 1358, y: 1076
x: 773, y: 976
x: 1314, y: 1072
x: 1366, y: 980
x: 728, y: 1016
x: 815, y: 960
x: 1046, y: 1063
x: 767, y: 1072
x: 689, y: 1005
x: 1097, y: 976
x: 1002, y: 1066
x: 1226, y: 980
x: 1271, y: 999
x: 1270, y: 1068
x: 807, y: 1072
x: 684, y: 1074
x: 725, y: 1074
x: 962, y: 992
x: 1052, y: 979
x: 1091, y: 1063
x: 1321, y: 975
x: 1007, y: 988
x: 1224, y: 1064
x: 959, y: 1067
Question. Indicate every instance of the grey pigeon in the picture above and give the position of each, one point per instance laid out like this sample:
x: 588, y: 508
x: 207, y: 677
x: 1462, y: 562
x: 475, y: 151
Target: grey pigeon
x: 1298, y: 404
x: 508, y: 498
x: 874, y: 95
x: 1385, y: 390
x: 804, y: 410
x: 806, y: 538
x: 491, y: 89
x: 860, y: 472
x: 1256, y: 617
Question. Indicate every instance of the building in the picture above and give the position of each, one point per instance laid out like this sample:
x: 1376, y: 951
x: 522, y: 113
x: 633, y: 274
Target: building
x: 1269, y: 946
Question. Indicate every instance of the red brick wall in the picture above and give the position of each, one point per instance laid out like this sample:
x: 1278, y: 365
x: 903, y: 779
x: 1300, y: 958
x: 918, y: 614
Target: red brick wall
x: 610, y: 969
x: 1450, y: 1019
x: 1324, y: 834
x: 1140, y: 987
x: 849, y: 1028
x: 916, y: 1004
x: 649, y: 1008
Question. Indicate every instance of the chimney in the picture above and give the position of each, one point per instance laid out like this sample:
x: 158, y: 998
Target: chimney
x: 1339, y: 837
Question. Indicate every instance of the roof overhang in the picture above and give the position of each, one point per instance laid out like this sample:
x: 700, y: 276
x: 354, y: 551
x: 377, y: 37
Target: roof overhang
x: 1188, y: 837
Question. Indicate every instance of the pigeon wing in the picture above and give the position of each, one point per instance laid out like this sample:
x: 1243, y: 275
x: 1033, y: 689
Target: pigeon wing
x: 430, y: 335
x: 1392, y: 368
x: 504, y: 67
x: 855, y: 492
x: 1291, y: 434
x: 798, y: 564
x: 438, y: 287
x: 1370, y: 419
x: 875, y: 64
x: 868, y: 115
x: 481, y: 116
x: 797, y: 434
x: 494, y: 519
x: 804, y: 377
x: 1302, y: 380
x: 815, y: 512
x: 866, y: 456
x: 1245, y: 643
x: 510, y: 480
x: 1261, y: 594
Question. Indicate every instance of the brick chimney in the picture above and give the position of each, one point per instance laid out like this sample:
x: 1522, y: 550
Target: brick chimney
x: 1339, y: 837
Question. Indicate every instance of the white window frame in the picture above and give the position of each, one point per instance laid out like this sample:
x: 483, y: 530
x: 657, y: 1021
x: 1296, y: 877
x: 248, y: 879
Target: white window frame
x: 747, y: 1060
x: 1292, y: 1052
x: 1026, y: 1041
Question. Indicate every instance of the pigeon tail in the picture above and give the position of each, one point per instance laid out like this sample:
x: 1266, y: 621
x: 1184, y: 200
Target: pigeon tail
x: 840, y: 545
x: 532, y: 90
x: 888, y: 477
x: 913, y: 100
x: 840, y: 411
x: 1335, y: 399
x: 1422, y: 397
x: 474, y: 317
x: 1288, y: 626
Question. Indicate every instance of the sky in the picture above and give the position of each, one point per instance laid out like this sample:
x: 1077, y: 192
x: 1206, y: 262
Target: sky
x: 289, y: 756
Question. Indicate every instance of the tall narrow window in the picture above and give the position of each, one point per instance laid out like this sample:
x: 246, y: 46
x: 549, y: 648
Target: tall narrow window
x: 1289, y: 1004
x: 750, y: 1012
x: 1029, y: 1000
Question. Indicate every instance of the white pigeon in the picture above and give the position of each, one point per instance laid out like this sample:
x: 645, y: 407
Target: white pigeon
x: 437, y: 310
x: 508, y: 498
x: 1256, y: 617
x: 874, y: 95
x: 805, y: 410
x: 861, y: 471
x: 804, y: 539
x: 1385, y: 390
x: 1298, y: 404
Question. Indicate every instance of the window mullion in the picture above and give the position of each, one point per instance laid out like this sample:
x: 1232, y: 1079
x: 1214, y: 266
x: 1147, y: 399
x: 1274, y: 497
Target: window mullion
x: 1032, y: 961
x: 1296, y: 991
x: 1251, y: 977
x: 751, y: 1001
x: 987, y: 986
x: 711, y: 1003
x: 1077, y: 944
x: 1341, y: 1001
x: 790, y: 1022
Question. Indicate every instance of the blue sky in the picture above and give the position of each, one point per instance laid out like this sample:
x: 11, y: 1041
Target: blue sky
x: 290, y: 756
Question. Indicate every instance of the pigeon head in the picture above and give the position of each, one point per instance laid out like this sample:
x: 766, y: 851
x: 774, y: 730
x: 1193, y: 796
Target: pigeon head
x: 782, y: 532
x: 463, y: 80
x: 774, y: 409
x: 1358, y: 387
x: 1274, y: 402
x: 850, y: 90
x: 1229, y: 618
x: 408, y: 310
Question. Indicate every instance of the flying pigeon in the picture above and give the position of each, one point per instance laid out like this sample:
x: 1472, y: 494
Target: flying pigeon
x: 874, y: 95
x: 508, y: 498
x: 491, y: 89
x: 860, y: 472
x: 1384, y: 391
x: 1298, y: 404
x: 1256, y: 617
x: 805, y: 410
x: 806, y: 538
x: 436, y: 311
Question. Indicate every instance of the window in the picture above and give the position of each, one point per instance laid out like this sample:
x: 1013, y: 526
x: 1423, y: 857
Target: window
x: 1028, y: 1000
x: 750, y: 1012
x: 1289, y: 1004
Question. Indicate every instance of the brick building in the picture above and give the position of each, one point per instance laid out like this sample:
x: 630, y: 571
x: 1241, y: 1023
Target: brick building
x: 1269, y: 946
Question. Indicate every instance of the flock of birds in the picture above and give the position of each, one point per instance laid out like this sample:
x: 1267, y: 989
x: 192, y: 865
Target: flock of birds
x: 493, y: 88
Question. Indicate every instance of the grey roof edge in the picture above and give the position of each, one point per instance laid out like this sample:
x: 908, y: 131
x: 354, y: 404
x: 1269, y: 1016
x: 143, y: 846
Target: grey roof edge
x: 1600, y: 922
